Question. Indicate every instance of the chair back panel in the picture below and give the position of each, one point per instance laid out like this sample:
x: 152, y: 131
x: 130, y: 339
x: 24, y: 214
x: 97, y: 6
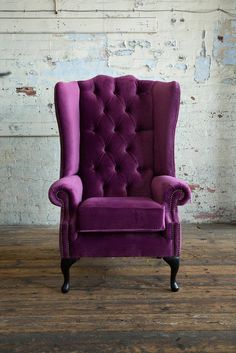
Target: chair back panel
x: 116, y: 136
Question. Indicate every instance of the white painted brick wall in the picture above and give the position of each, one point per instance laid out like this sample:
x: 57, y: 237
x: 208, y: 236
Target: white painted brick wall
x: 116, y: 38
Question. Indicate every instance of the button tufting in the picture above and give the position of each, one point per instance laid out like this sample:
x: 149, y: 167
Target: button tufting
x: 111, y: 151
x: 139, y: 170
x: 95, y: 129
x: 117, y: 168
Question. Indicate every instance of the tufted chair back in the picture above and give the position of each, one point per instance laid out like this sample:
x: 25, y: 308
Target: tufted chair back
x: 126, y: 133
x: 116, y: 141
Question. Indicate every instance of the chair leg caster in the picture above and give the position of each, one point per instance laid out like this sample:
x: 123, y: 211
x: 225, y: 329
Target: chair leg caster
x: 173, y: 262
x: 65, y: 268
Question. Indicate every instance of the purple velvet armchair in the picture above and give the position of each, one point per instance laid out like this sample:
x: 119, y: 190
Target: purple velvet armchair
x: 117, y: 189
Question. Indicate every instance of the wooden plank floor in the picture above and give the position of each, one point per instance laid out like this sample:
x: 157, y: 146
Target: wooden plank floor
x: 118, y: 305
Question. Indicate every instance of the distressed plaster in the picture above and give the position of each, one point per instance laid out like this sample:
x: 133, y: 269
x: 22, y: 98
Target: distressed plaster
x: 224, y: 48
x: 198, y: 50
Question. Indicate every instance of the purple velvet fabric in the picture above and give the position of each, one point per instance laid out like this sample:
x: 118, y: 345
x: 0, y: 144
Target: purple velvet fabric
x: 120, y: 214
x: 171, y: 192
x: 67, y: 194
x: 125, y: 244
x: 116, y: 130
x: 117, y: 141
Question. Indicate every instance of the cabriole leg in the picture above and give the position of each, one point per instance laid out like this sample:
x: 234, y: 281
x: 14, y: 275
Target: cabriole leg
x: 65, y: 268
x: 173, y: 262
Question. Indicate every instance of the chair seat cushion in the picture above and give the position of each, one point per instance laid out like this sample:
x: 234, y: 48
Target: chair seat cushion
x: 120, y: 214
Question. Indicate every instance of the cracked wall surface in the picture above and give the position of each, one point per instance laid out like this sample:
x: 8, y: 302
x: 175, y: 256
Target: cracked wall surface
x: 87, y: 38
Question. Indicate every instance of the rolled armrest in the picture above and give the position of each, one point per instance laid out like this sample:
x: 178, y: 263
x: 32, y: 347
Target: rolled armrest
x: 69, y: 187
x: 170, y: 190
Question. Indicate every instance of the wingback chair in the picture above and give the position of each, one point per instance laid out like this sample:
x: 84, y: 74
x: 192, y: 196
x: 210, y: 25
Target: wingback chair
x: 117, y: 189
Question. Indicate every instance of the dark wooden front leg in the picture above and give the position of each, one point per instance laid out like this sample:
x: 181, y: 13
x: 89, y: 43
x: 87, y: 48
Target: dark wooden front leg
x: 173, y: 262
x: 65, y: 269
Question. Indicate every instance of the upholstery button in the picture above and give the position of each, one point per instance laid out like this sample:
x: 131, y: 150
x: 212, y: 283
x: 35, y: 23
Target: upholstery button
x: 95, y: 129
x: 139, y: 170
x: 117, y: 168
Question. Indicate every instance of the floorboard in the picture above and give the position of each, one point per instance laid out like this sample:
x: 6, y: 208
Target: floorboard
x: 118, y: 305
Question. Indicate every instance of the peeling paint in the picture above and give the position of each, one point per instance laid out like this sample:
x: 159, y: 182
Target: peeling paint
x: 139, y: 43
x: 202, y: 63
x: 217, y: 114
x: 50, y: 61
x: 229, y: 81
x: 181, y: 66
x: 202, y: 68
x: 138, y: 3
x: 123, y: 52
x: 151, y: 64
x: 170, y: 43
x: 224, y: 47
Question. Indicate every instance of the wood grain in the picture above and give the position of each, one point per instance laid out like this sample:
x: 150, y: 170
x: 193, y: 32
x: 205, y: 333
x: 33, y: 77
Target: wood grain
x: 118, y: 304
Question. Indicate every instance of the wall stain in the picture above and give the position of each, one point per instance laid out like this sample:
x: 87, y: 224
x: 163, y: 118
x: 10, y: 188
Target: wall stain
x: 224, y: 46
x: 194, y: 186
x: 211, y: 190
x: 29, y: 91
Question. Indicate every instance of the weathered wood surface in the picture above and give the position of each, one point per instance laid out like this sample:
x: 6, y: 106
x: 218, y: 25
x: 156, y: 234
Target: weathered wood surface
x: 118, y: 305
